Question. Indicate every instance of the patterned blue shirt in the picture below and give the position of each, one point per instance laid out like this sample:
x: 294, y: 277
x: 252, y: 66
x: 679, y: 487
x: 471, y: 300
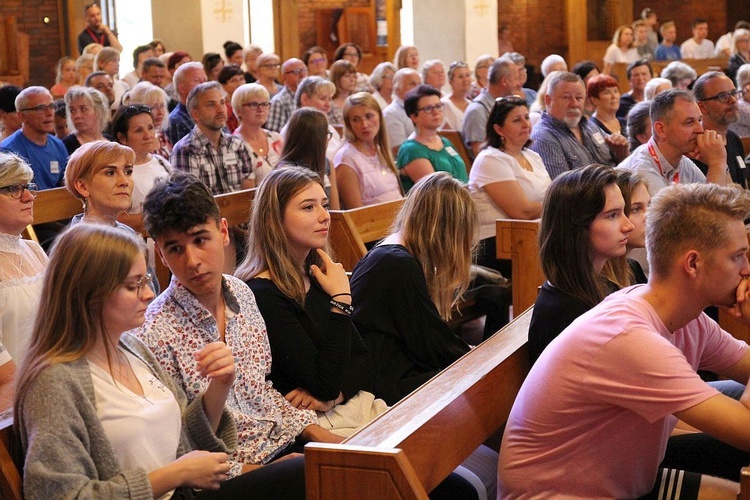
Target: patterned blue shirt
x: 180, y: 123
x: 282, y: 107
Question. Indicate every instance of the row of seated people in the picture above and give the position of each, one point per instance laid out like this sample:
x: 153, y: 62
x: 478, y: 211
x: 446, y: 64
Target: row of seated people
x: 312, y: 353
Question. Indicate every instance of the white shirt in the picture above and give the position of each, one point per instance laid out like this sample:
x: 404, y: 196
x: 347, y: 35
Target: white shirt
x: 493, y: 165
x: 691, y: 49
x: 144, y: 176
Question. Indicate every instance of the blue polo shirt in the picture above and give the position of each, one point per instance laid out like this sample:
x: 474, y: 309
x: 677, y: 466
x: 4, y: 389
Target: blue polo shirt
x: 48, y: 162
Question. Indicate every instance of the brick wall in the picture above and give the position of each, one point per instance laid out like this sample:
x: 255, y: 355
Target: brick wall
x: 44, y: 45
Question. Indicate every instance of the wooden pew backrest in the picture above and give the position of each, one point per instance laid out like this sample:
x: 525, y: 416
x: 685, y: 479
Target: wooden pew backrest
x: 352, y: 229
x: 517, y: 240
x: 699, y: 65
x: 412, y: 447
x: 52, y: 205
x: 10, y: 477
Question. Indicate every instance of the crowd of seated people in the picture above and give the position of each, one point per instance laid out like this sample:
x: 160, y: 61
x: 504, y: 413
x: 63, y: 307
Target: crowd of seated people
x: 310, y: 352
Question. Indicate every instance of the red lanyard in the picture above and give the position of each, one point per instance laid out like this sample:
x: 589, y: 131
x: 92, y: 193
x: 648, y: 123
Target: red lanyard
x: 652, y: 152
x: 96, y: 38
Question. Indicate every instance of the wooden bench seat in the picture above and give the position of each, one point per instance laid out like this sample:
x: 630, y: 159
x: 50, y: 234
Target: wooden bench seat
x: 412, y: 447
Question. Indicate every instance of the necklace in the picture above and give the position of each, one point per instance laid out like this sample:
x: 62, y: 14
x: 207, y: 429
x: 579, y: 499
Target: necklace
x: 125, y: 375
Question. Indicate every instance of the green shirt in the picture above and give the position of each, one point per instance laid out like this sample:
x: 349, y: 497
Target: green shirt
x: 445, y: 160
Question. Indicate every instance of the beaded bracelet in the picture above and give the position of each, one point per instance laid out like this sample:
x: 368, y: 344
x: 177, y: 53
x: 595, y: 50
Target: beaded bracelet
x: 347, y: 309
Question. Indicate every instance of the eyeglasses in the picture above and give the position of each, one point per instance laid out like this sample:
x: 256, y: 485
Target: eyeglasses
x: 139, y: 284
x: 257, y: 105
x: 134, y: 109
x: 429, y: 109
x: 40, y: 108
x: 297, y: 72
x: 316, y: 61
x: 272, y: 66
x: 724, y: 97
x: 16, y: 191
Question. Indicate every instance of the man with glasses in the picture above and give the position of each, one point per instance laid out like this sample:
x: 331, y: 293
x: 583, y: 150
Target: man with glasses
x: 282, y: 104
x: 718, y: 100
x: 102, y: 82
x: 35, y: 141
x: 678, y: 131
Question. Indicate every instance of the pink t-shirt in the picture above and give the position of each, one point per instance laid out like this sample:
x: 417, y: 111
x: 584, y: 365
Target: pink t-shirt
x: 593, y: 417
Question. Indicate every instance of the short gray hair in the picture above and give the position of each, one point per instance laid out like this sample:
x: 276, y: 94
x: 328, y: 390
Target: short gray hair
x: 310, y: 85
x: 14, y: 170
x: 743, y: 76
x: 184, y: 68
x: 197, y: 92
x: 677, y: 70
x: 400, y: 75
x: 650, y: 90
x: 23, y: 98
x: 429, y: 65
x: 550, y: 61
x: 566, y: 77
x: 376, y: 77
x: 500, y: 68
x: 94, y: 98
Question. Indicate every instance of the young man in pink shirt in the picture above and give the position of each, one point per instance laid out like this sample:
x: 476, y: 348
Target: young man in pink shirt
x: 593, y: 417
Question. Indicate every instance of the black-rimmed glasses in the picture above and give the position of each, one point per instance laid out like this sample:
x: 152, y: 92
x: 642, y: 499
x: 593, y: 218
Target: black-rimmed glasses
x: 16, y: 191
x: 724, y: 97
x: 257, y: 105
x: 40, y: 108
x: 434, y: 107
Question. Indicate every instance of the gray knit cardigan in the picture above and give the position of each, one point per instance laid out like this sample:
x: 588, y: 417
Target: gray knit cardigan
x: 67, y: 452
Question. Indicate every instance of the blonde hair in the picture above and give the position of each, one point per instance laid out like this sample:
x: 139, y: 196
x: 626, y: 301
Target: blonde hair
x: 94, y: 98
x: 399, y: 58
x: 439, y: 226
x: 244, y: 93
x: 69, y: 322
x: 61, y: 65
x: 684, y: 216
x: 618, y: 34
x: 381, y: 140
x: 268, y: 244
x: 14, y: 170
x: 104, y: 56
x: 90, y: 158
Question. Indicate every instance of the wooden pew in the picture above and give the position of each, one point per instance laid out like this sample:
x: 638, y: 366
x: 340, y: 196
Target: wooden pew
x: 744, y: 493
x: 517, y: 240
x: 746, y: 145
x: 458, y: 144
x: 351, y: 230
x: 411, y: 448
x: 52, y: 205
x: 10, y: 477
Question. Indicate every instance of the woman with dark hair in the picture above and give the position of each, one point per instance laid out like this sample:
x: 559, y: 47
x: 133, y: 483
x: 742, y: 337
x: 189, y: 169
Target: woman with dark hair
x: 344, y: 76
x: 353, y: 53
x: 365, y: 171
x: 319, y: 360
x: 212, y: 64
x: 231, y: 77
x: 233, y: 51
x: 305, y: 145
x: 427, y: 151
x: 583, y: 225
x: 316, y: 60
x: 507, y: 180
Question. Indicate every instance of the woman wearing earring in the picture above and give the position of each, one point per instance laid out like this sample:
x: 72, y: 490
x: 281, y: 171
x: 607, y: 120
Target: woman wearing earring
x: 507, y: 180
x: 365, y: 171
x: 319, y: 360
x: 583, y: 225
x: 95, y: 414
x: 427, y: 152
x: 22, y: 264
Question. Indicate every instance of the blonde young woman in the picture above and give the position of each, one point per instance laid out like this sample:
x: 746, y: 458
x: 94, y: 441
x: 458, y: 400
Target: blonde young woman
x: 406, y: 56
x: 365, y: 171
x: 108, y: 60
x: 622, y: 49
x: 95, y: 414
x: 251, y: 103
x: 319, y: 360
x: 88, y: 116
x: 404, y: 288
x: 67, y: 76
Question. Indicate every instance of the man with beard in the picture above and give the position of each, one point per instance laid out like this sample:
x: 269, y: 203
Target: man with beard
x: 102, y: 82
x: 562, y: 137
x: 718, y: 100
x: 605, y: 395
x: 676, y: 131
x: 96, y: 31
x: 218, y: 159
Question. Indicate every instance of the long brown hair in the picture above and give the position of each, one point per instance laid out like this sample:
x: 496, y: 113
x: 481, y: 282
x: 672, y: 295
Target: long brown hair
x: 69, y: 321
x: 439, y: 226
x: 268, y: 245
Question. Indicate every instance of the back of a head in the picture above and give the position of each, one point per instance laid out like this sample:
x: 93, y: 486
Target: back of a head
x: 638, y: 118
x: 571, y: 204
x: 306, y: 135
x: 177, y: 204
x: 691, y: 216
x: 501, y: 67
x: 551, y: 62
x: 8, y: 94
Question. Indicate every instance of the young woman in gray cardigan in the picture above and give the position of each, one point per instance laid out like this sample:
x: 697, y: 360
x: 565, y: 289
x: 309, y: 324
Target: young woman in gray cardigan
x: 95, y: 414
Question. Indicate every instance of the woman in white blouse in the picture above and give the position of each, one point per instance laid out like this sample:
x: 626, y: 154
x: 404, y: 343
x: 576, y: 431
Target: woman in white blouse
x: 22, y: 264
x: 622, y: 49
x: 459, y: 78
x: 507, y: 180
